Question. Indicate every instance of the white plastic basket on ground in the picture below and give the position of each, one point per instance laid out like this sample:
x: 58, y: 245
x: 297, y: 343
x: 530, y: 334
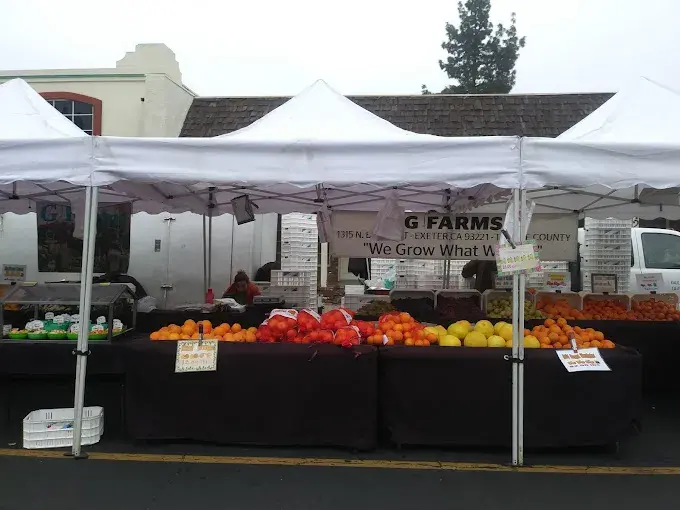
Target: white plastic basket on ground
x: 53, y: 428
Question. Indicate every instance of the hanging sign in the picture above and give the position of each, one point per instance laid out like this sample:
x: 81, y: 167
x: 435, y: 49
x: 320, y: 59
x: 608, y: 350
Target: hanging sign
x: 650, y: 282
x: 582, y: 360
x: 603, y: 283
x: 196, y: 356
x: 523, y: 258
x: 455, y: 237
x: 13, y: 273
x: 558, y: 281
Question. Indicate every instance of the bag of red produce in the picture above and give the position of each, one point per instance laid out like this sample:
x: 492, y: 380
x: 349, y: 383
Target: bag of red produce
x: 336, y: 319
x: 347, y: 336
x: 319, y: 336
x: 365, y: 328
x: 308, y: 320
x: 282, y: 325
x: 265, y: 334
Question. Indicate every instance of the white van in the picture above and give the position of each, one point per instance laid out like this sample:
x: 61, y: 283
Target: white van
x: 653, y: 250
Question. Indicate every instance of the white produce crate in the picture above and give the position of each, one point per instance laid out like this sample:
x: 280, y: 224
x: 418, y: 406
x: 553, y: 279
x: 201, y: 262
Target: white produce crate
x: 53, y: 428
x: 288, y: 278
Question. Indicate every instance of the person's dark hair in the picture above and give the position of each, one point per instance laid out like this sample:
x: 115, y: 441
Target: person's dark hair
x: 241, y: 276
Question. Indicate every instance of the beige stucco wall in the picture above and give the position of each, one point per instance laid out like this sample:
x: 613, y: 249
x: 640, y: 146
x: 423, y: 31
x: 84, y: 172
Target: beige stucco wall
x: 142, y: 96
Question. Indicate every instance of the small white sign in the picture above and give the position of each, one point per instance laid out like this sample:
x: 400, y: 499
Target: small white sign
x: 558, y: 281
x: 582, y: 360
x: 195, y: 356
x: 650, y: 282
x: 521, y: 259
x: 603, y: 283
x: 13, y: 273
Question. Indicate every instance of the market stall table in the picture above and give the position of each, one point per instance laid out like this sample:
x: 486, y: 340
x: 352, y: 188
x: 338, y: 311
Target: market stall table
x: 657, y: 342
x: 447, y: 396
x: 264, y: 394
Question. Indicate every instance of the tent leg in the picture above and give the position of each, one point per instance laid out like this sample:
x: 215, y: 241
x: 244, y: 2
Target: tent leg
x: 86, y: 273
x: 210, y: 223
x: 518, y: 291
x: 205, y: 262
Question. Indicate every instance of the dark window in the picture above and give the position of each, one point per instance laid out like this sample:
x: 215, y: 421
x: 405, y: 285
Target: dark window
x: 661, y: 251
x: 78, y: 112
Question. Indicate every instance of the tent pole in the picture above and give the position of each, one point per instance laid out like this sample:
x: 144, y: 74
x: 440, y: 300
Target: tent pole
x: 522, y: 228
x: 86, y: 273
x: 518, y: 337
x: 211, y: 207
x: 210, y: 237
x: 205, y: 261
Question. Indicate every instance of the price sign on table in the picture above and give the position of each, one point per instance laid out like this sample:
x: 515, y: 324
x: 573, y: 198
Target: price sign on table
x: 603, y: 283
x: 583, y: 360
x: 13, y: 273
x: 523, y: 258
x: 650, y: 282
x: 558, y: 281
x: 195, y: 356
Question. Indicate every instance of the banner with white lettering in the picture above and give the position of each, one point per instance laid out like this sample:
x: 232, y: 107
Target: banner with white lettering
x: 456, y: 237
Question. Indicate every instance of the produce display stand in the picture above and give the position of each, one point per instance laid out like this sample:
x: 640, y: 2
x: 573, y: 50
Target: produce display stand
x: 156, y: 319
x: 461, y: 398
x: 261, y: 394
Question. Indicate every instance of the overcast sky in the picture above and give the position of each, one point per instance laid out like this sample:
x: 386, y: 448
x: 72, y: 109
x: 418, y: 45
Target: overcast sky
x: 273, y: 47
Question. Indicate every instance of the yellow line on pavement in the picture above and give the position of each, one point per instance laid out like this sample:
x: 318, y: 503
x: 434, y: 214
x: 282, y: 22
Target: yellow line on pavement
x: 349, y: 463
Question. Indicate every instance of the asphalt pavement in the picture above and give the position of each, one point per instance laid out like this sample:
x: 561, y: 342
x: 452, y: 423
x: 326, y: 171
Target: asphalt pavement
x: 65, y: 484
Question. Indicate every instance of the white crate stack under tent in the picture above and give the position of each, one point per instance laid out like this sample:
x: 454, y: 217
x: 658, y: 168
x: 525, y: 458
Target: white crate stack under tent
x: 300, y: 253
x: 606, y: 249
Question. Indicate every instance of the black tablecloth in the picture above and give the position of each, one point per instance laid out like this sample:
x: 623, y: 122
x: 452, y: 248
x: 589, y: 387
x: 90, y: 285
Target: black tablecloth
x: 153, y: 321
x: 35, y: 375
x: 266, y: 394
x: 452, y: 397
x: 657, y: 342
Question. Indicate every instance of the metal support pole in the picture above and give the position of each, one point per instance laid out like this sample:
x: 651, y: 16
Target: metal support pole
x: 86, y: 273
x: 205, y: 261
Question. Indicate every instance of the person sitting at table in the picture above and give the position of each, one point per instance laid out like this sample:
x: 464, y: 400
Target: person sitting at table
x: 242, y: 290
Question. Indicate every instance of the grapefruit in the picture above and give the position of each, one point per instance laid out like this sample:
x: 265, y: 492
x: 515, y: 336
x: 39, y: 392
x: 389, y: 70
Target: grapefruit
x: 497, y: 327
x: 475, y: 339
x: 449, y: 341
x: 531, y: 342
x: 485, y: 328
x: 495, y: 341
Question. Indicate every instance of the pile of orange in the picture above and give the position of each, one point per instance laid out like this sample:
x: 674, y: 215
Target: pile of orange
x: 189, y: 331
x: 399, y: 328
x: 555, y: 334
x: 606, y: 309
x: 558, y: 308
x: 653, y: 310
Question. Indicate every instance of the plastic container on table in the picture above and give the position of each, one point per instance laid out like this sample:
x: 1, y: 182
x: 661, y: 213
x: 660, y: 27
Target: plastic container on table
x: 621, y: 298
x: 354, y: 301
x: 38, y: 336
x: 412, y: 294
x: 665, y: 297
x: 572, y: 298
x: 458, y: 294
x: 493, y: 294
x: 18, y: 336
x: 53, y: 428
x: 52, y: 335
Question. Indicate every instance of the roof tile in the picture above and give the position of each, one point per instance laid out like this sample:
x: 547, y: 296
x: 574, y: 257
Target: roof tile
x: 444, y: 115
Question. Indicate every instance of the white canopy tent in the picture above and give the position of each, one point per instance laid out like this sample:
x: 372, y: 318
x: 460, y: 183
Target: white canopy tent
x: 622, y: 160
x: 319, y: 149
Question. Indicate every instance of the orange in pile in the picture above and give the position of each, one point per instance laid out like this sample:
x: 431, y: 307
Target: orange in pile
x: 653, y: 310
x: 605, y: 309
x: 189, y: 331
x: 554, y: 334
x: 401, y: 329
x: 558, y: 308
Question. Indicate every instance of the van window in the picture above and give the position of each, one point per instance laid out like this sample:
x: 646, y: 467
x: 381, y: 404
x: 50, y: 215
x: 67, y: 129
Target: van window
x: 661, y: 251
